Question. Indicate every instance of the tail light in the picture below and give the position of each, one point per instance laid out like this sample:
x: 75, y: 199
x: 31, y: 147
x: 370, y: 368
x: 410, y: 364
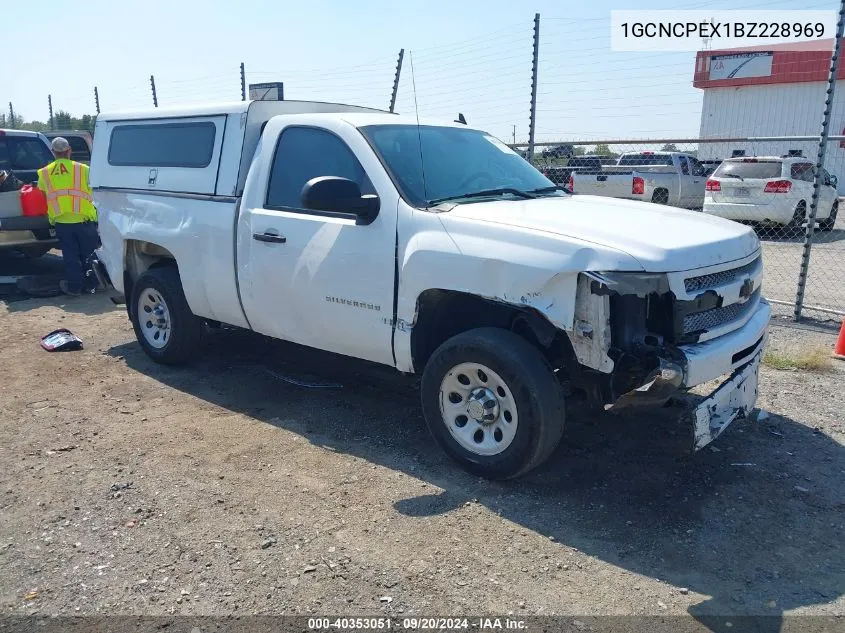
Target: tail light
x: 713, y: 185
x: 638, y: 185
x: 571, y: 183
x: 778, y: 186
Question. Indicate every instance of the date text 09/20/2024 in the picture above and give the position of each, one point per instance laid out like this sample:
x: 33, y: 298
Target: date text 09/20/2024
x: 414, y: 624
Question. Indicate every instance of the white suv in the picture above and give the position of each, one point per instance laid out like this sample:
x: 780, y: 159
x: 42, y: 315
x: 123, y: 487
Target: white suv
x: 770, y: 189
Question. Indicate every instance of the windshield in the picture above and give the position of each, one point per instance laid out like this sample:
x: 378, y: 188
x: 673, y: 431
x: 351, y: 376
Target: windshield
x: 749, y: 168
x: 433, y: 163
x: 23, y: 153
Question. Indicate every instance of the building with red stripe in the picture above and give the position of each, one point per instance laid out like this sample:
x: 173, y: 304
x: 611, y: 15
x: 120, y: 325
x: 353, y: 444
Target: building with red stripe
x: 775, y: 90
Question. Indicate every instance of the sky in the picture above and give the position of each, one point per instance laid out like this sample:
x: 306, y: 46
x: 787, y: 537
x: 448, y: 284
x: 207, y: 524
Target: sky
x: 470, y: 56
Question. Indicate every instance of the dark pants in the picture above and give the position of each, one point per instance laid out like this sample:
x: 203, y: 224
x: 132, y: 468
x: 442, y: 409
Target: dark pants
x: 78, y: 242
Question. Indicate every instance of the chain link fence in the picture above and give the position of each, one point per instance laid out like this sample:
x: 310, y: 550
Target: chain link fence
x: 765, y: 183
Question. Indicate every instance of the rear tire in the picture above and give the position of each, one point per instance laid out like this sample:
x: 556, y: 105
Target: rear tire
x: 828, y: 224
x: 164, y: 325
x: 660, y: 196
x: 493, y: 403
x: 799, y: 217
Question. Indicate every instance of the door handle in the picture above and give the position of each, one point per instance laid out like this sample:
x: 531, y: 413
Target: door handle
x: 269, y: 237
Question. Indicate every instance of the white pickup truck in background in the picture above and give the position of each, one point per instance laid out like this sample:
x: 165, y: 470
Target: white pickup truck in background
x: 669, y: 178
x: 432, y: 248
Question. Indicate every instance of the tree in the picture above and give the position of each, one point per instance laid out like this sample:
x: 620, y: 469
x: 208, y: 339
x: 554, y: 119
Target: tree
x: 669, y: 147
x: 35, y: 126
x: 6, y: 121
x: 603, y: 149
x: 63, y: 120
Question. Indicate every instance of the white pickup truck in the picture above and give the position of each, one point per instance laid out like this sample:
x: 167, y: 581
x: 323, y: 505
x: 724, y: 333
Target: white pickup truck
x: 669, y: 178
x: 432, y: 248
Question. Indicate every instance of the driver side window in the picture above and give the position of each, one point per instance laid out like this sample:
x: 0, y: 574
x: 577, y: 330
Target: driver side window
x: 304, y: 153
x: 696, y: 167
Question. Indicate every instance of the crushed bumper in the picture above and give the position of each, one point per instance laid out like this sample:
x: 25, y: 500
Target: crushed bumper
x: 737, y: 354
x: 101, y: 273
x: 734, y: 399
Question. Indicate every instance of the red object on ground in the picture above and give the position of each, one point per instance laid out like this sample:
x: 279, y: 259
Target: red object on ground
x: 33, y: 201
x: 839, y: 348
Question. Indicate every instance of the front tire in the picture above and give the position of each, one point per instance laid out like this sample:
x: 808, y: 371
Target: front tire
x: 164, y: 325
x: 493, y: 403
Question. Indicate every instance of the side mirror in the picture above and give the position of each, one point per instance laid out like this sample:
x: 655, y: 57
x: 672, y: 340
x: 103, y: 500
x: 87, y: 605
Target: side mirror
x: 834, y: 181
x: 340, y: 195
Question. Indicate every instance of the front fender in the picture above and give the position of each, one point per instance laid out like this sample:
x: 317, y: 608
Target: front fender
x: 506, y: 264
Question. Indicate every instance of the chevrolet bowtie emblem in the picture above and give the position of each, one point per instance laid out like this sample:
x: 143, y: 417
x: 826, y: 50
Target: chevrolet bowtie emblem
x: 747, y: 288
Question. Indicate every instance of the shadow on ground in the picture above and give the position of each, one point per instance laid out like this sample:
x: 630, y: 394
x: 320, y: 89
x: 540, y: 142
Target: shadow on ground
x: 26, y: 284
x: 789, y: 235
x: 757, y: 523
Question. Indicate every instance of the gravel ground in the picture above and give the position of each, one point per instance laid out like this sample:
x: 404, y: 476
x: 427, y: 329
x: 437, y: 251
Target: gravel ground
x: 130, y: 488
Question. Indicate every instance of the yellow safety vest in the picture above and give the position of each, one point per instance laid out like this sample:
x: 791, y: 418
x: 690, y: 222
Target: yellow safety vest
x: 65, y: 183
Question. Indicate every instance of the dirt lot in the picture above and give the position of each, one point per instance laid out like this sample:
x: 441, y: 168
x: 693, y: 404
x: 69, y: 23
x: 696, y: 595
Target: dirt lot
x: 130, y: 488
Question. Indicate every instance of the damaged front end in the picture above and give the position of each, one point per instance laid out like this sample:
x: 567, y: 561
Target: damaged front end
x: 644, y: 341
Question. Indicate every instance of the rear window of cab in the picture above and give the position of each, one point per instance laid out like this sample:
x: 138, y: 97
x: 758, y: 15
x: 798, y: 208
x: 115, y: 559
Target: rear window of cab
x: 750, y: 168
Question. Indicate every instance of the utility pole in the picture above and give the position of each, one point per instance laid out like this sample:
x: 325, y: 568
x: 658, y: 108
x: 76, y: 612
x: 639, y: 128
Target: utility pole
x: 514, y: 134
x: 396, y: 79
x: 97, y: 99
x: 243, y: 82
x: 11, y: 116
x: 50, y: 107
x: 533, y: 120
x: 153, y: 85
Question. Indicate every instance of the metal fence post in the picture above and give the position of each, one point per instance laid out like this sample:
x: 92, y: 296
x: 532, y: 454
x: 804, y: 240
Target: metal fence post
x: 817, y: 175
x: 533, y: 118
x: 153, y: 85
x: 396, y: 79
x: 97, y: 99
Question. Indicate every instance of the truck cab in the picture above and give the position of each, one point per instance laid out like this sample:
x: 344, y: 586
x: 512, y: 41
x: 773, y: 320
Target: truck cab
x: 435, y: 249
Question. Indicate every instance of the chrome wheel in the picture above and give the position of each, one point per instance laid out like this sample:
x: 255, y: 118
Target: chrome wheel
x: 154, y: 318
x: 478, y: 408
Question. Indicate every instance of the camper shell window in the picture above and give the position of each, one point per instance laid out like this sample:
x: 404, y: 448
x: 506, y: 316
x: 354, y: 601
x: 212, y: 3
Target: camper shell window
x: 163, y: 145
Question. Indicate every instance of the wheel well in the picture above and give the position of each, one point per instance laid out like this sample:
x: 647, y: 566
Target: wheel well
x: 140, y: 257
x: 442, y: 314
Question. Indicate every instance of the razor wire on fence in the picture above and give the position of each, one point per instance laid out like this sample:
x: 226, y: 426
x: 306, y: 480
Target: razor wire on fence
x: 765, y: 183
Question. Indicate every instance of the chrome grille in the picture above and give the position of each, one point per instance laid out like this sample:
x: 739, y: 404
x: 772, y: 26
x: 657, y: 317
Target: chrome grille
x: 694, y: 284
x: 717, y: 317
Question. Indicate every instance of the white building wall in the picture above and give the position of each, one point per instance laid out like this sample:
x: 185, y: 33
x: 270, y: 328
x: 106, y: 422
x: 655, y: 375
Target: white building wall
x: 773, y: 110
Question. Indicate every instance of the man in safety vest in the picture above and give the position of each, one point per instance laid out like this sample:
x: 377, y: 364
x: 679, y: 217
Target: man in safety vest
x: 70, y: 210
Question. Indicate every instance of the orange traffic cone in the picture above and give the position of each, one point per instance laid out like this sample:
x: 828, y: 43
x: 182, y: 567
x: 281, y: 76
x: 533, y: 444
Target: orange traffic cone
x: 839, y: 348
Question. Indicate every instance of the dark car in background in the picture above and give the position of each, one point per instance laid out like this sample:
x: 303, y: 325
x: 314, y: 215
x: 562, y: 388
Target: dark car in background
x: 80, y: 141
x: 559, y: 174
x: 23, y: 153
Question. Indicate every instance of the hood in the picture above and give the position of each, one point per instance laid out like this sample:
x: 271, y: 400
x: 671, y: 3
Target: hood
x: 661, y: 238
